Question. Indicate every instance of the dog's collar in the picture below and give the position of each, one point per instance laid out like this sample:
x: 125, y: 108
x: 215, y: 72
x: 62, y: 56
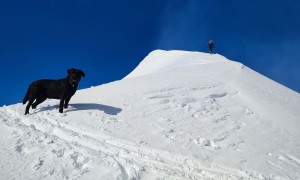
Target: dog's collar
x: 72, y: 83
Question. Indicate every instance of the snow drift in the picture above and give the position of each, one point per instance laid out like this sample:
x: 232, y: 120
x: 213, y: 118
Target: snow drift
x: 178, y: 115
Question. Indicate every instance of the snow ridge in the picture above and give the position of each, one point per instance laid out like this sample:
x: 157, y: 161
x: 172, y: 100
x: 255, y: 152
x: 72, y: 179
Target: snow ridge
x: 178, y: 115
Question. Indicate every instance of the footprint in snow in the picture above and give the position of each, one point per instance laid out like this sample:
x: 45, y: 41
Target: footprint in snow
x: 92, y: 114
x: 59, y: 153
x: 170, y: 134
x: 79, y: 161
x: 108, y: 120
x: 196, y: 115
x: 143, y: 142
x: 222, y: 119
x: 218, y: 95
x: 235, y: 145
x: 51, y: 172
x: 248, y: 111
x: 206, y: 143
x: 39, y: 165
x: 20, y: 148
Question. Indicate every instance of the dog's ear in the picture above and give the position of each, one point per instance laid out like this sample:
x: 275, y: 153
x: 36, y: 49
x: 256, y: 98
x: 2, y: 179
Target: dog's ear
x: 82, y: 73
x: 70, y: 70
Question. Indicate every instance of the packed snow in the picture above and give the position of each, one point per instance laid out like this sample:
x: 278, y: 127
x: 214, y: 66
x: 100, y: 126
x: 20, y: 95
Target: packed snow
x: 178, y: 115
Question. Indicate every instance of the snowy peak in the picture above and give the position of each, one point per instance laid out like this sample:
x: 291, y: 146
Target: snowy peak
x: 168, y: 61
x: 178, y: 115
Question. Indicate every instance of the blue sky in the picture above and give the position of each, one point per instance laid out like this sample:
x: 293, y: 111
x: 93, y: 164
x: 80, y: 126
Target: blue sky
x: 108, y: 38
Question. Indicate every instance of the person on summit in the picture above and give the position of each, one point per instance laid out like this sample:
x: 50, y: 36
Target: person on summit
x: 210, y: 46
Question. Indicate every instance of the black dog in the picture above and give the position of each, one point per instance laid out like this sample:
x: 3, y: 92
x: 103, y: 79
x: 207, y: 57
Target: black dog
x: 62, y: 89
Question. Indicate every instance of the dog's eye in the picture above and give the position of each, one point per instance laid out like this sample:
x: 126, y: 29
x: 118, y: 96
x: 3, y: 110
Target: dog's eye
x: 76, y: 76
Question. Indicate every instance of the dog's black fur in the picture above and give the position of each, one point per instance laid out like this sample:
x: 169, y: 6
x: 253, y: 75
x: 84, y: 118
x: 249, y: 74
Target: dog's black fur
x: 62, y: 89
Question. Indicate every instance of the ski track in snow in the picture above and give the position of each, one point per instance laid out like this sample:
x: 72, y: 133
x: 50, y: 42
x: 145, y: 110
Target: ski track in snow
x: 178, y: 131
x: 48, y: 130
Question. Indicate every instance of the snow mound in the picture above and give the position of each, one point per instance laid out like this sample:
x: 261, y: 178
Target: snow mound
x: 163, y: 61
x: 178, y: 115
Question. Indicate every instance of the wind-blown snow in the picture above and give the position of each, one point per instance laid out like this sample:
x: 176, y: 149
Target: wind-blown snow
x: 178, y: 115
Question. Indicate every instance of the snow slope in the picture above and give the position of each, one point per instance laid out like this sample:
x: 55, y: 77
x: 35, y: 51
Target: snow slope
x: 178, y: 115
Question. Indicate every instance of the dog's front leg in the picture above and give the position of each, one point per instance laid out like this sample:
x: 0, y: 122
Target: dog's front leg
x: 61, y: 105
x: 67, y: 102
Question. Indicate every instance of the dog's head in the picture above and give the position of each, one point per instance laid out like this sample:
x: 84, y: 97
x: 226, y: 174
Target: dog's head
x: 74, y: 75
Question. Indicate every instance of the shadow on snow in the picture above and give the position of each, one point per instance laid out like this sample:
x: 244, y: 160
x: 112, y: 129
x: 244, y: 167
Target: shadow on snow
x: 92, y: 106
x: 86, y: 106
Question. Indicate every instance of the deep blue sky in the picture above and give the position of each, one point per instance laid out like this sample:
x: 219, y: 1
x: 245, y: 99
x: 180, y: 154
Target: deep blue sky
x: 108, y: 38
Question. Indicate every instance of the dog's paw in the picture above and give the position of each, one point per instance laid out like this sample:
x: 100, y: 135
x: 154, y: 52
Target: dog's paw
x: 61, y: 110
x: 66, y: 106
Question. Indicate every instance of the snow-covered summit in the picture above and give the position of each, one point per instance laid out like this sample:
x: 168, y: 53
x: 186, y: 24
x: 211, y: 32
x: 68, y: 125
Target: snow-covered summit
x: 178, y: 115
x: 162, y: 61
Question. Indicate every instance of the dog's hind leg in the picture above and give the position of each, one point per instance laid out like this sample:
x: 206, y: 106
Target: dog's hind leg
x: 66, y: 105
x: 28, y: 94
x: 28, y: 106
x: 38, y: 101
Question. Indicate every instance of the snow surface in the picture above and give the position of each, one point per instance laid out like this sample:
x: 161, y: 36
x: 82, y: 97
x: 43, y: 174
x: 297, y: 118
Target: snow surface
x: 178, y: 115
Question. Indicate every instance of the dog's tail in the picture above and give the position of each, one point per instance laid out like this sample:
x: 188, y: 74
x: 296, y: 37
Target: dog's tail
x: 26, y: 96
